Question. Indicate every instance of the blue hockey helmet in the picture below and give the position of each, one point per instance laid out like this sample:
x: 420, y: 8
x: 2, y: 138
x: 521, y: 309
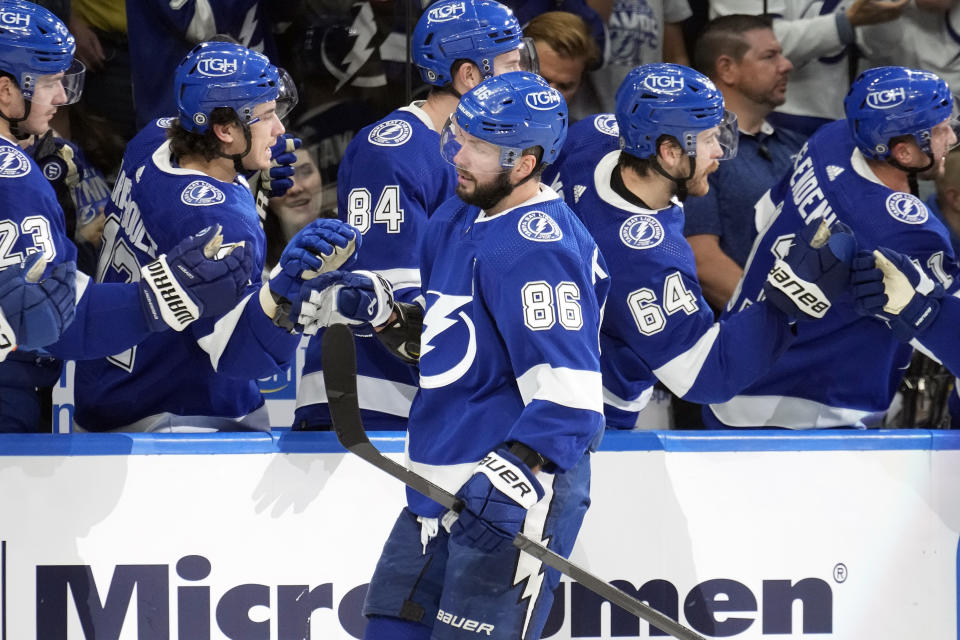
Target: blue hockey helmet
x: 474, y: 30
x: 661, y: 98
x: 223, y: 74
x: 886, y: 102
x: 35, y: 43
x: 513, y: 111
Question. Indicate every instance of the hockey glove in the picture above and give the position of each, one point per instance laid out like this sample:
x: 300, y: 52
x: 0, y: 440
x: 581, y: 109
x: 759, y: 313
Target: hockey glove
x: 34, y: 312
x: 815, y: 270
x: 192, y: 282
x: 322, y: 246
x: 284, y: 159
x: 889, y: 286
x: 344, y: 297
x: 495, y: 502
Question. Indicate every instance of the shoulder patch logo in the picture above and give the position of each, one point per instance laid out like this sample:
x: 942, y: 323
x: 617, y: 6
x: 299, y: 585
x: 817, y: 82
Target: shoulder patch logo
x: 833, y: 171
x: 13, y: 163
x: 641, y: 231
x: 539, y: 227
x: 607, y: 123
x: 391, y: 133
x: 52, y: 170
x: 201, y: 193
x: 165, y: 123
x: 907, y: 208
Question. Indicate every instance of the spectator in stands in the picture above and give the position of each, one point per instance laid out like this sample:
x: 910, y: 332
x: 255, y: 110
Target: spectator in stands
x: 818, y: 38
x: 742, y: 56
x: 298, y: 207
x: 639, y: 32
x: 565, y: 49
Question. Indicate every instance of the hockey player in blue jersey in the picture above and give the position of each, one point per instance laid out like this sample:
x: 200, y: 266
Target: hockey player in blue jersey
x: 588, y: 140
x: 37, y: 75
x: 392, y: 178
x: 673, y: 130
x: 844, y: 370
x: 510, y: 392
x: 230, y: 101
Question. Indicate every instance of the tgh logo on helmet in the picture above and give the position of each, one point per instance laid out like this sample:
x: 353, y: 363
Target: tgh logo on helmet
x: 542, y: 100
x: 447, y: 12
x: 14, y: 19
x: 217, y: 66
x: 663, y: 83
x: 886, y: 99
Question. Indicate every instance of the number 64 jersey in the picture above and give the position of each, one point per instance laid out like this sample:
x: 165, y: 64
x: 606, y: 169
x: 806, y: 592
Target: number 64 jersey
x: 509, y: 348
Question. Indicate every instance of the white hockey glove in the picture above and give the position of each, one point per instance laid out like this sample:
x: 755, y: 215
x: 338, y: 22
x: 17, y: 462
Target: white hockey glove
x: 344, y: 297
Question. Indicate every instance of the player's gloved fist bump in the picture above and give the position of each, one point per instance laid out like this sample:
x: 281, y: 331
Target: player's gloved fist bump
x: 197, y: 278
x: 323, y: 245
x: 890, y: 286
x: 495, y: 501
x: 284, y: 158
x: 815, y: 270
x: 34, y: 312
x: 344, y: 297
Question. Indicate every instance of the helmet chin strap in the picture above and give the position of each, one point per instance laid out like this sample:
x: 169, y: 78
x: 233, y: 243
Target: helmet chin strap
x: 238, y: 157
x: 14, y: 123
x: 681, y: 183
x: 912, y: 173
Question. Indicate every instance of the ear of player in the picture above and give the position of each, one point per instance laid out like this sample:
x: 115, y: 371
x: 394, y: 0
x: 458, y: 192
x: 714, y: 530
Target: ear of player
x: 495, y: 502
x: 322, y: 246
x: 815, y: 270
x: 34, y: 312
x: 197, y: 278
x: 888, y: 285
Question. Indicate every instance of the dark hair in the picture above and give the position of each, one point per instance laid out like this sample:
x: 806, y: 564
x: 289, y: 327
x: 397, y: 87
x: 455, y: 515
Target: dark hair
x: 723, y: 36
x: 537, y: 152
x: 206, y: 145
x: 643, y: 166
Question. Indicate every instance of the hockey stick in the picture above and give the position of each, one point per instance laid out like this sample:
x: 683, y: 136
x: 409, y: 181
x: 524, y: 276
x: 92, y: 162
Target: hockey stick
x: 339, y: 357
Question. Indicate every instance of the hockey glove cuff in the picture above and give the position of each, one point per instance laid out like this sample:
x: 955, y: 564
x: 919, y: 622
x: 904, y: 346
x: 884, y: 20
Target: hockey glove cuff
x: 191, y: 281
x: 889, y: 286
x: 815, y: 270
x: 495, y: 502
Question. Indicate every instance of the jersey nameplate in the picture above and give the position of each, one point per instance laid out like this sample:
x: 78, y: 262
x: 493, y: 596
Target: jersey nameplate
x: 539, y: 227
x: 13, y: 163
x: 906, y: 208
x: 391, y: 133
x: 200, y: 193
x: 641, y: 232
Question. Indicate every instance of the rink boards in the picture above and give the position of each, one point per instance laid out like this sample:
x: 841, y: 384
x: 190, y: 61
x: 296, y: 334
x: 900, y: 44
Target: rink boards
x: 840, y: 535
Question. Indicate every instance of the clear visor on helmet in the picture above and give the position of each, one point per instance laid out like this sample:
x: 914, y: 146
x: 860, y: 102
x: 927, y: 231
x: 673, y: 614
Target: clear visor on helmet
x: 523, y: 58
x: 954, y: 123
x: 722, y: 139
x: 470, y: 153
x: 287, y: 98
x: 55, y: 89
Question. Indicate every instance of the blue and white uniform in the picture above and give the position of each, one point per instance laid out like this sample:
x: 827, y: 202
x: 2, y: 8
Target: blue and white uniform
x: 509, y: 352
x: 205, y: 376
x: 391, y: 179
x: 657, y: 324
x: 844, y: 369
x: 588, y: 140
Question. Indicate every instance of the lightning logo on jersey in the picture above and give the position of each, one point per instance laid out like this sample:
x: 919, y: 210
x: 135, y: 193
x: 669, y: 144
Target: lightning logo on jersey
x: 437, y: 320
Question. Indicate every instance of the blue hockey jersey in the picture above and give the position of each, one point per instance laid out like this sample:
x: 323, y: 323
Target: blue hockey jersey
x: 161, y: 33
x: 844, y: 369
x: 391, y: 179
x: 588, y: 140
x: 209, y: 370
x: 509, y: 348
x: 657, y: 324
